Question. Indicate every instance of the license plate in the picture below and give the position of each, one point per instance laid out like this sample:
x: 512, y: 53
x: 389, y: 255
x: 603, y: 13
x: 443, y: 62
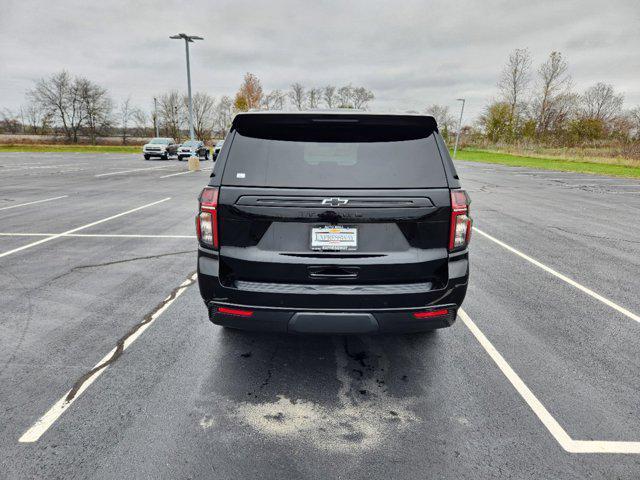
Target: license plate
x: 334, y: 238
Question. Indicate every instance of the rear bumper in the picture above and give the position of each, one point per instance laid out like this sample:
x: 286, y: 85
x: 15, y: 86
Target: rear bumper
x: 289, y: 310
x: 330, y: 322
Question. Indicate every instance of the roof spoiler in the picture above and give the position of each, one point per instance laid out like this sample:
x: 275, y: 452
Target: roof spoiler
x: 332, y: 127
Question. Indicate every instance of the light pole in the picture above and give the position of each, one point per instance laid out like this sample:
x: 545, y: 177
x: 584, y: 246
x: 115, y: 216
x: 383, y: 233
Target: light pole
x: 188, y: 39
x: 155, y: 116
x: 455, y: 149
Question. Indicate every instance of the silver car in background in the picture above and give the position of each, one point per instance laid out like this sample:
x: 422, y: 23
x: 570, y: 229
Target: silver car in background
x: 217, y: 148
x: 195, y: 148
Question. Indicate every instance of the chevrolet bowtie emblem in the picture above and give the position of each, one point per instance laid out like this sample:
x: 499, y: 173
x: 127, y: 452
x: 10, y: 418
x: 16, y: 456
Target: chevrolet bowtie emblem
x: 335, y: 202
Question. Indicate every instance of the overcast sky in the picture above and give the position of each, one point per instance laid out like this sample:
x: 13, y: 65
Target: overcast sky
x: 411, y: 54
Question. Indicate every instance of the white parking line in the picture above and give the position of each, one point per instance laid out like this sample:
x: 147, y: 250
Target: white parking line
x: 33, y: 203
x: 179, y: 173
x: 562, y: 277
x: 556, y: 430
x: 41, y: 167
x: 73, y: 230
x: 92, y: 235
x: 21, y: 164
x: 48, y: 419
x: 133, y: 170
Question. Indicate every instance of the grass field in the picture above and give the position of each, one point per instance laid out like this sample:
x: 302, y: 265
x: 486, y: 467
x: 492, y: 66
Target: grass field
x: 72, y: 148
x: 562, y: 164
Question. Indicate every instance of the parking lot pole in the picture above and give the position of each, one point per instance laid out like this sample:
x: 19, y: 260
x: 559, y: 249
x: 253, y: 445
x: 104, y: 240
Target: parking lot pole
x: 455, y: 148
x: 187, y: 39
x: 186, y: 43
x: 155, y: 116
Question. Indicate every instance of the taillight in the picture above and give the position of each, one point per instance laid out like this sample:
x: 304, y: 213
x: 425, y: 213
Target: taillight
x: 460, y: 233
x: 432, y: 313
x: 235, y: 311
x: 207, y: 219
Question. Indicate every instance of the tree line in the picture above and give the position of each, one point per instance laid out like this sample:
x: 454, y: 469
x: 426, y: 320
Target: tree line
x: 533, y: 104
x: 75, y: 107
x: 299, y: 97
x: 543, y: 105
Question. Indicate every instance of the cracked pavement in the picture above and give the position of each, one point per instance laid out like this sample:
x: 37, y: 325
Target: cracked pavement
x: 191, y: 400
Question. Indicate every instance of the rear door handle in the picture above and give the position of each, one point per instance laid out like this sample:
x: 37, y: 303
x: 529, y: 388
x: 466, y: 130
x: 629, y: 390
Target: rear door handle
x: 333, y: 272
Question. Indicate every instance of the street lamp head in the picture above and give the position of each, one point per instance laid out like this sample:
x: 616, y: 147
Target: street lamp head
x: 460, y: 99
x: 184, y: 36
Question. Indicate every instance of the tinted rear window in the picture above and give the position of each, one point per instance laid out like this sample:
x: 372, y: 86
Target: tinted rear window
x: 366, y: 163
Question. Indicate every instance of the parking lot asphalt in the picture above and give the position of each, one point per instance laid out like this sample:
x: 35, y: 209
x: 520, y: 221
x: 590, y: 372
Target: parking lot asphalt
x: 538, y: 378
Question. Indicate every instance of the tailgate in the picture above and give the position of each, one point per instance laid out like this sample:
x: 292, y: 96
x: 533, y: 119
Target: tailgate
x: 266, y: 233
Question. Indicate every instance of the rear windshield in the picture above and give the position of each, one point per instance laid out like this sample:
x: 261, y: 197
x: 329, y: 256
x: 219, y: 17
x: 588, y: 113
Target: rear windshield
x: 264, y: 162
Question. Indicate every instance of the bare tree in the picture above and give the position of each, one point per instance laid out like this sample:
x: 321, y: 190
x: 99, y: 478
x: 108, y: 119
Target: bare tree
x: 634, y: 115
x: 125, y: 114
x: 274, y: 100
x: 31, y: 117
x: 9, y: 122
x: 361, y: 97
x: 61, y: 96
x: 601, y: 102
x: 171, y: 113
x: 297, y: 94
x: 97, y: 107
x: 446, y: 121
x: 36, y: 117
x: 223, y: 115
x: 141, y: 122
x: 203, y: 106
x: 329, y: 96
x: 514, y: 81
x: 620, y: 126
x: 313, y: 97
x: 563, y: 110
x: 345, y: 97
x: 553, y: 97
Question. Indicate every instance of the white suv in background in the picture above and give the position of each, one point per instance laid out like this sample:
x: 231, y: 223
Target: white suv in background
x: 160, y: 147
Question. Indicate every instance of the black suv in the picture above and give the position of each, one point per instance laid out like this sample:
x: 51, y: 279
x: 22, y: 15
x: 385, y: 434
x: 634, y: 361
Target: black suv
x: 333, y: 223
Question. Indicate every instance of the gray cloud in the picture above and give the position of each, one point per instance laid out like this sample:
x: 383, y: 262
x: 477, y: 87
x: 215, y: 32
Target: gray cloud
x: 411, y: 53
